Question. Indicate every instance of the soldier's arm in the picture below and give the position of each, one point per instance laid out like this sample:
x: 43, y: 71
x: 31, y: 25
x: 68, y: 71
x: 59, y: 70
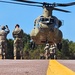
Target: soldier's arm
x: 45, y: 48
x: 7, y: 30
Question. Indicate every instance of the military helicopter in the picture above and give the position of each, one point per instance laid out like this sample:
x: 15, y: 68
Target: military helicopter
x: 46, y: 27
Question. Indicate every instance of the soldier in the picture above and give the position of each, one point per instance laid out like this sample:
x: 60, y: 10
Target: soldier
x: 53, y: 51
x: 18, y: 42
x: 3, y: 43
x: 47, y: 53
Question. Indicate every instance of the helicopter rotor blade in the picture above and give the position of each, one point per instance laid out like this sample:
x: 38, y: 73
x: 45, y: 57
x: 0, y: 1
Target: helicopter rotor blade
x: 66, y: 4
x: 61, y: 10
x: 33, y: 3
x: 28, y: 1
x: 54, y: 4
x: 20, y: 3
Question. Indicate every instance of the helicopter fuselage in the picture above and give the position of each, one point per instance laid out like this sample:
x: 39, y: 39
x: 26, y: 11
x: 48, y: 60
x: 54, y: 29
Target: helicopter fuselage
x: 46, y: 29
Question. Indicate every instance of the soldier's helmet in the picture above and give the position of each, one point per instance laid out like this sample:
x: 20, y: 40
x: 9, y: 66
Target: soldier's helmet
x: 3, y: 27
x: 17, y: 25
x: 47, y: 44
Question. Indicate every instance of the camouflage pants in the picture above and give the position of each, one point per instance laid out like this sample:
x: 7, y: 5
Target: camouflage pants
x: 18, y: 48
x: 3, y: 47
x: 47, y: 53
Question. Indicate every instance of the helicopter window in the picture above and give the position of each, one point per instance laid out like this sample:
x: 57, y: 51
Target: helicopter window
x: 47, y: 20
x: 41, y: 19
x: 59, y: 23
x: 36, y: 25
x: 56, y: 26
x: 51, y: 20
x: 44, y: 20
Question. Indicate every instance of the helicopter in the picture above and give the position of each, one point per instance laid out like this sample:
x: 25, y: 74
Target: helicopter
x: 46, y: 26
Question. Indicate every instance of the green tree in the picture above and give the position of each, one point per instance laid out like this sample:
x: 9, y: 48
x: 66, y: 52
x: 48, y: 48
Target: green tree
x: 65, y: 48
x: 10, y: 54
x: 67, y: 52
x: 72, y: 50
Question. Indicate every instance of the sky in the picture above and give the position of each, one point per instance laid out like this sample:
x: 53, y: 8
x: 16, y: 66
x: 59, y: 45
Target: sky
x: 12, y: 14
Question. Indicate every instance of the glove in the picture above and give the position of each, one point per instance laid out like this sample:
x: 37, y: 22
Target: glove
x: 6, y: 26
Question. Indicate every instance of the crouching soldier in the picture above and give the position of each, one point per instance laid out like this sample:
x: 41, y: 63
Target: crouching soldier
x: 18, y: 42
x: 3, y: 40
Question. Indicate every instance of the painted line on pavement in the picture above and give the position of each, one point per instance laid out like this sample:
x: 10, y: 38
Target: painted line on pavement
x: 55, y: 68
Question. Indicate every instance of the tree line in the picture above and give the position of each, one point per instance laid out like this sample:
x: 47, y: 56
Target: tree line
x: 67, y: 51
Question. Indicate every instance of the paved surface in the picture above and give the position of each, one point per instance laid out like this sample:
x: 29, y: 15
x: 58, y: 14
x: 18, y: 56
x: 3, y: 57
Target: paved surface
x: 55, y: 68
x: 23, y: 67
x: 36, y: 67
x: 68, y: 63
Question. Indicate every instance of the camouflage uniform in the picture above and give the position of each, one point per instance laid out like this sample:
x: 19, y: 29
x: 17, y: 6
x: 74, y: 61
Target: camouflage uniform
x: 18, y: 42
x: 3, y: 43
x: 47, y: 53
x: 53, y: 51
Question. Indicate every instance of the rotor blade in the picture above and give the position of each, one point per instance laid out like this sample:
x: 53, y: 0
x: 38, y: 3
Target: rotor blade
x: 20, y: 3
x: 66, y: 4
x: 28, y: 1
x: 61, y: 10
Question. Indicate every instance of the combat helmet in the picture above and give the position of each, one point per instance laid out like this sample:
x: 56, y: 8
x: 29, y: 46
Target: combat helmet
x: 17, y: 25
x: 3, y: 27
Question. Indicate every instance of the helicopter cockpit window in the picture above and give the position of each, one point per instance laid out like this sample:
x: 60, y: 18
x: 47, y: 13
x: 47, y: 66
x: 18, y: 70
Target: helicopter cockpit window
x: 51, y: 20
x: 36, y: 24
x: 41, y: 19
x: 46, y: 20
